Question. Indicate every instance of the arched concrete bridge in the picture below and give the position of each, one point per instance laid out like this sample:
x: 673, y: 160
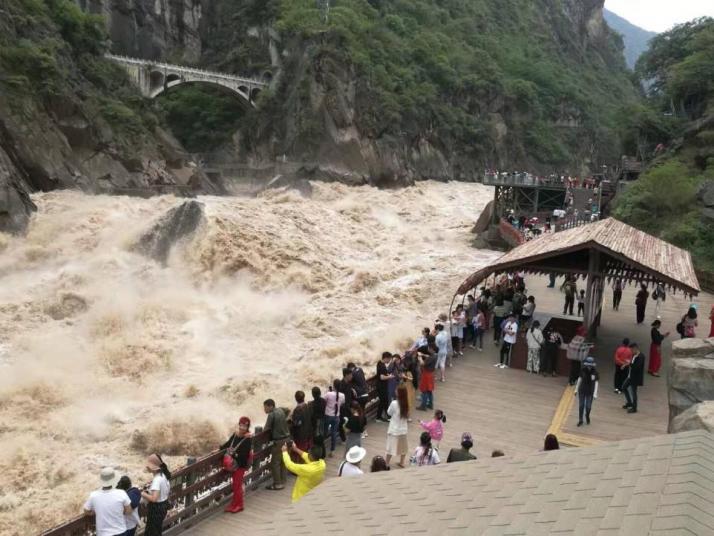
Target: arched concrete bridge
x: 153, y: 78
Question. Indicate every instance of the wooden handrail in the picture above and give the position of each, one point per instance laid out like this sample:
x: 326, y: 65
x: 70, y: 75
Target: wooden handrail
x: 202, y: 486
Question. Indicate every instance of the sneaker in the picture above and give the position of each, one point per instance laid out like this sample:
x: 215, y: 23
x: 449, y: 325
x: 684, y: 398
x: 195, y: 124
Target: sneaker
x: 480, y: 349
x: 580, y: 423
x: 587, y: 420
x: 505, y: 366
x: 497, y: 364
x: 473, y: 346
x: 632, y: 410
x: 365, y: 435
x: 617, y: 391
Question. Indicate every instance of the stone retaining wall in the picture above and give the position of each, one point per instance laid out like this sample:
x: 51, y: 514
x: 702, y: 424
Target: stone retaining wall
x: 691, y: 385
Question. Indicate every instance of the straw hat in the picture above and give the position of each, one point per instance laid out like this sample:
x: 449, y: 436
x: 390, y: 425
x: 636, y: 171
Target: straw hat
x: 108, y: 477
x: 356, y: 454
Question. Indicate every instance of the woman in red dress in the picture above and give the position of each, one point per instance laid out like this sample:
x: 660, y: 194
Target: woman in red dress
x: 656, y: 348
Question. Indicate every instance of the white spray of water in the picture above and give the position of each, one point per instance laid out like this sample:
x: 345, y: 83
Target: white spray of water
x: 106, y: 354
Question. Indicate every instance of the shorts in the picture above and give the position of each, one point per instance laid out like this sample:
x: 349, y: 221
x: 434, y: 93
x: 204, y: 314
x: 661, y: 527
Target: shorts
x: 397, y: 445
x: 441, y: 361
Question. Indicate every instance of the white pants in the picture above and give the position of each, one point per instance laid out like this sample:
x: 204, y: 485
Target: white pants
x: 441, y: 361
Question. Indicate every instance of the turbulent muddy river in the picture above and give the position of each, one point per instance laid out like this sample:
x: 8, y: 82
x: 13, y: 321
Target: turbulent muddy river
x: 106, y: 354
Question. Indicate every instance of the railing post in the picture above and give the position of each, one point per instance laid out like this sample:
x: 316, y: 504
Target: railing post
x: 190, y: 479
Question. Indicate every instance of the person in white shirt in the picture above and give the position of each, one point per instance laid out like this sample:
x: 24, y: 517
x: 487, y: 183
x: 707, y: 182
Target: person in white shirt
x: 535, y: 340
x: 425, y: 453
x: 350, y: 467
x: 442, y: 345
x: 157, y: 496
x: 510, y: 331
x: 334, y: 400
x: 109, y: 505
x: 398, y: 426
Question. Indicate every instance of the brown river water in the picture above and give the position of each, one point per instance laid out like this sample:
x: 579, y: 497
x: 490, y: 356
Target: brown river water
x: 106, y: 354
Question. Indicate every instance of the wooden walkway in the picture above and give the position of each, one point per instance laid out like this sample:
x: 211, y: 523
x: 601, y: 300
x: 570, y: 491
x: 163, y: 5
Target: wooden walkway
x: 509, y: 409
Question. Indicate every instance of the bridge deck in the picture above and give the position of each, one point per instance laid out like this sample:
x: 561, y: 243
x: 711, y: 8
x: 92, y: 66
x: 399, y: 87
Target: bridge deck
x: 510, y: 409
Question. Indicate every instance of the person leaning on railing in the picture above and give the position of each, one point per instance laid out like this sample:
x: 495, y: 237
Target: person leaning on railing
x: 238, y: 447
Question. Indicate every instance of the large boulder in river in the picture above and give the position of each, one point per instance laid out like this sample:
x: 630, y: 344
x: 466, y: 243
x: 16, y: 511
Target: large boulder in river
x: 698, y: 417
x: 174, y: 225
x: 691, y: 378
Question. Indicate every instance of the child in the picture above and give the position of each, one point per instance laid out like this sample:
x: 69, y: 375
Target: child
x: 581, y: 303
x: 425, y: 453
x: 435, y: 428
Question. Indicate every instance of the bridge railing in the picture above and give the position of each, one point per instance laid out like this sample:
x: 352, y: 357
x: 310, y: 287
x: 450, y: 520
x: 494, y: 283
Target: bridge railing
x: 181, y: 68
x: 200, y: 488
x: 523, y: 179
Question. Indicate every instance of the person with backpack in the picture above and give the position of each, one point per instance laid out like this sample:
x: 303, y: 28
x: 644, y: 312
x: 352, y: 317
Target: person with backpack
x: 586, y: 389
x: 659, y: 295
x: 316, y: 408
x: 301, y: 424
x: 351, y: 464
x: 535, y: 340
x: 238, y: 454
x: 132, y: 520
x: 553, y: 343
x: 686, y: 327
x: 570, y: 289
x: 157, y: 495
x: 623, y: 356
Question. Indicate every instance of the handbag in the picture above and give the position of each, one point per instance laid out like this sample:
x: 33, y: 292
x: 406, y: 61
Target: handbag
x: 229, y: 462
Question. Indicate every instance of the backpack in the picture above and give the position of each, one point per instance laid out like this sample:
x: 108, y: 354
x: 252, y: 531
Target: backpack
x: 680, y: 327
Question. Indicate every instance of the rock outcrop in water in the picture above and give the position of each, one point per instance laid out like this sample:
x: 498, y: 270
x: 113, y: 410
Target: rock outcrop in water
x: 176, y: 224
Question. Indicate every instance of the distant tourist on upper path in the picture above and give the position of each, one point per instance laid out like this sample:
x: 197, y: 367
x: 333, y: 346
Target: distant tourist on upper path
x: 458, y: 323
x: 238, y: 448
x: 132, y: 520
x: 635, y: 378
x: 687, y: 326
x: 425, y: 453
x: 276, y: 425
x: 157, y: 496
x: 398, y: 427
x: 570, y: 289
x: 551, y: 443
x: 435, y: 427
x: 309, y: 473
x: 109, y: 505
x: 711, y: 319
x: 581, y: 303
x: 350, y: 467
x: 659, y: 295
x: 623, y: 356
x: 586, y: 389
x: 464, y: 453
x: 616, y: 294
x: 383, y: 378
x: 641, y: 303
x: 535, y: 341
x: 510, y: 333
x: 478, y: 324
x: 656, y: 348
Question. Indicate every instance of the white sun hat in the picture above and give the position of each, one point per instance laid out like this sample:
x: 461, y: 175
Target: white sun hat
x: 356, y: 454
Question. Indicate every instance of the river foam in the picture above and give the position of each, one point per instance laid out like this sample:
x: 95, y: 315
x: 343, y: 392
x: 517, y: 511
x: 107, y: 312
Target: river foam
x: 105, y: 353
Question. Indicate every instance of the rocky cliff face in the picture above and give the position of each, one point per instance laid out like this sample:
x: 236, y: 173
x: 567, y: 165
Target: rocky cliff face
x: 70, y: 119
x: 151, y: 29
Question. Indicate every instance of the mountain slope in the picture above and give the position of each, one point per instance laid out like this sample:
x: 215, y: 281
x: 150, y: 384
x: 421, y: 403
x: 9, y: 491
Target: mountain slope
x: 636, y: 39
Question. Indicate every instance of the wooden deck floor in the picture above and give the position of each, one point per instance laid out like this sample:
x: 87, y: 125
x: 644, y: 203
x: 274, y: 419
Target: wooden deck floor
x: 509, y: 409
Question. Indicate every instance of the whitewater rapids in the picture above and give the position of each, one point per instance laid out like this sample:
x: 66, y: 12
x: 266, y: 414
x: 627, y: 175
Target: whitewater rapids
x: 106, y: 354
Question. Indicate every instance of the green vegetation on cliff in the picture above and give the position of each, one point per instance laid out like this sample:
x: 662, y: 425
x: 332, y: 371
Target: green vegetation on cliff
x: 51, y: 62
x: 511, y: 82
x: 670, y: 198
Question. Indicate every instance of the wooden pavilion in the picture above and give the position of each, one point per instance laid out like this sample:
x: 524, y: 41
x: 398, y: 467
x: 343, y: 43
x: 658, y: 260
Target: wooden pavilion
x: 597, y: 252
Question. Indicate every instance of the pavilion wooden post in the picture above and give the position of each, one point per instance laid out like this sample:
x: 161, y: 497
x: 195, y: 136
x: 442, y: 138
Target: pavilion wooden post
x: 594, y: 292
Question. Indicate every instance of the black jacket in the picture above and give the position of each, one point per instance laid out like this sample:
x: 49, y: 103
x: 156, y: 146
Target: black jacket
x: 241, y: 452
x: 636, y: 373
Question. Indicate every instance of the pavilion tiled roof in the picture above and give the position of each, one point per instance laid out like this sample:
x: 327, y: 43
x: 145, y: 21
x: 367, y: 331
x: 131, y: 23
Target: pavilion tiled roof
x: 661, y: 260
x: 656, y: 485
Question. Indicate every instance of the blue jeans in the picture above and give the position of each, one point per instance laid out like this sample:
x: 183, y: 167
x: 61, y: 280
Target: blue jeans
x: 332, y: 424
x: 586, y: 404
x: 427, y: 399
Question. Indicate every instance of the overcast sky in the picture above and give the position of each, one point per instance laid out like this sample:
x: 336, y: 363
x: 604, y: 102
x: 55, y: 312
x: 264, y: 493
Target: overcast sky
x: 660, y: 15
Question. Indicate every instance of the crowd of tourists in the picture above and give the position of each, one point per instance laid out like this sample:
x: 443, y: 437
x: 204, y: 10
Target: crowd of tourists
x: 303, y: 436
x: 525, y: 178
